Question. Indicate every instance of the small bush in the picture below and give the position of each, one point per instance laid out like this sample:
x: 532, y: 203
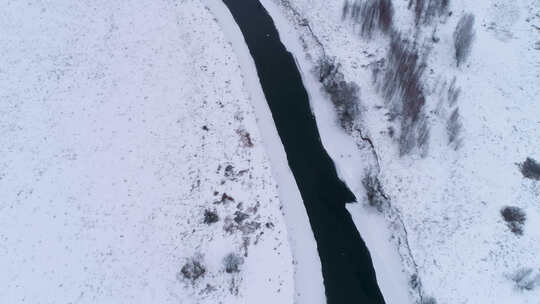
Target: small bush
x: 426, y: 10
x: 414, y: 282
x: 515, y: 218
x: 429, y: 300
x: 210, y: 216
x: 245, y: 138
x: 530, y: 169
x: 463, y: 37
x: 344, y: 95
x: 192, y: 270
x: 232, y: 263
x: 240, y: 216
x: 370, y: 15
x: 373, y: 191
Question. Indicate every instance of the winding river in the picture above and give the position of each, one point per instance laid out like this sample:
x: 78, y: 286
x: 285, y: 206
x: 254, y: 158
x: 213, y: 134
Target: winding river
x: 347, y: 269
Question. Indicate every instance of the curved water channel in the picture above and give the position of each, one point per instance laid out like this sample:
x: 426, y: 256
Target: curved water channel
x: 347, y: 269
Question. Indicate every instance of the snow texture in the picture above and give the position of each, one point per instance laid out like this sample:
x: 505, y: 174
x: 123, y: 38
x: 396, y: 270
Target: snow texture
x: 123, y: 124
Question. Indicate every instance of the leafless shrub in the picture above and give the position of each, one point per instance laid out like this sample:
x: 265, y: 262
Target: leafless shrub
x: 426, y: 10
x: 370, y: 15
x: 401, y: 86
x: 463, y: 37
x: 515, y: 218
x: 232, y: 262
x: 453, y: 129
x: 192, y: 269
x: 245, y: 138
x: 344, y: 95
x: 530, y: 169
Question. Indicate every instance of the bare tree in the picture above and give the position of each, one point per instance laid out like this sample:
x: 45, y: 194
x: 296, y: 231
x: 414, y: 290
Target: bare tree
x: 426, y: 10
x: 401, y: 86
x: 370, y: 15
x: 463, y: 37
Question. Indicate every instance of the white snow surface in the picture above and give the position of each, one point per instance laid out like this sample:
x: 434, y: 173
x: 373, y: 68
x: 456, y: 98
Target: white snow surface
x: 449, y: 201
x: 121, y: 123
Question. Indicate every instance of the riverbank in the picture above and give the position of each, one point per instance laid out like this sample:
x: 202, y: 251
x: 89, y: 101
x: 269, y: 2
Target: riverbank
x: 308, y: 282
x: 346, y: 265
x: 350, y: 161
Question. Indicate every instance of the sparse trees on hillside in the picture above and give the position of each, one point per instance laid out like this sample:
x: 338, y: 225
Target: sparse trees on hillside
x: 401, y: 87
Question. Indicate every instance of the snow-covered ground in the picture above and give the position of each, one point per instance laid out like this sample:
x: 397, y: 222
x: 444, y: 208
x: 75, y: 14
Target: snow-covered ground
x: 122, y: 123
x: 445, y: 213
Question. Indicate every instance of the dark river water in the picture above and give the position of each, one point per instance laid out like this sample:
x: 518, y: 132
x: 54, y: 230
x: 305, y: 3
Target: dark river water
x: 346, y: 264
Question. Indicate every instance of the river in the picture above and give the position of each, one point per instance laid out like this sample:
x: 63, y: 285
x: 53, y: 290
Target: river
x: 347, y: 268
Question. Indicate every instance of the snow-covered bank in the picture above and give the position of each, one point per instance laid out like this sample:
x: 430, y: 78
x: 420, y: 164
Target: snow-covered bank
x: 130, y: 149
x: 351, y: 164
x: 308, y: 280
x: 450, y: 202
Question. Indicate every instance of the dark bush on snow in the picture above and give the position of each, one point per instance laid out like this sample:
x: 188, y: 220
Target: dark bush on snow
x: 463, y: 37
x: 402, y: 89
x: 192, y: 270
x: 232, y: 262
x: 426, y: 10
x: 429, y: 300
x: 373, y: 191
x: 515, y: 218
x: 370, y: 15
x: 344, y: 95
x: 210, y: 216
x: 530, y: 169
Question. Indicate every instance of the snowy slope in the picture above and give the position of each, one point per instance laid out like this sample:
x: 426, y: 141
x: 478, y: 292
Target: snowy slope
x: 121, y: 123
x: 450, y: 232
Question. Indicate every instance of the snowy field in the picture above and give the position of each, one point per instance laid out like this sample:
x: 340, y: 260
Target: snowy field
x: 446, y: 206
x: 132, y: 168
